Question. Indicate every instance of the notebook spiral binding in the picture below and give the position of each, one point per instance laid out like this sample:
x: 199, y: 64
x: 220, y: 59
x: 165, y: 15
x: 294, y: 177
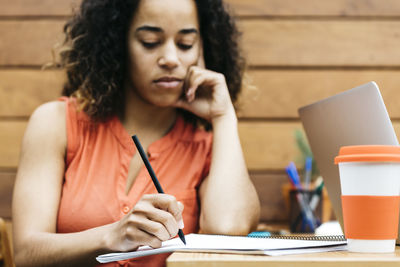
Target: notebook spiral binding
x: 305, y: 237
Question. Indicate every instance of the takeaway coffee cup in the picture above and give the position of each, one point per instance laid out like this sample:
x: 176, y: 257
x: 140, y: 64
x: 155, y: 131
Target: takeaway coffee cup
x: 370, y: 183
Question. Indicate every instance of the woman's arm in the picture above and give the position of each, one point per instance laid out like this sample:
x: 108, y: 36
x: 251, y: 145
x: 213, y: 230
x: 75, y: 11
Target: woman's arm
x: 229, y: 202
x: 37, y: 195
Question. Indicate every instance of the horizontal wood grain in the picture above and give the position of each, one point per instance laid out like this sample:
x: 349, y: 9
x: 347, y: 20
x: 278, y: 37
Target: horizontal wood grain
x: 11, y: 133
x: 29, y: 42
x: 269, y: 145
x: 241, y: 8
x: 321, y: 43
x: 37, y: 7
x: 7, y: 179
x: 322, y: 259
x: 21, y: 91
x: 279, y: 93
x: 269, y: 190
x: 315, y: 7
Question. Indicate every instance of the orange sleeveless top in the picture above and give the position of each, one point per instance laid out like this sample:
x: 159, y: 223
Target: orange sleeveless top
x: 97, y: 163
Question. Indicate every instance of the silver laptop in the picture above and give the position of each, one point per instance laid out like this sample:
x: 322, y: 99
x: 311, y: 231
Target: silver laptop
x: 354, y: 117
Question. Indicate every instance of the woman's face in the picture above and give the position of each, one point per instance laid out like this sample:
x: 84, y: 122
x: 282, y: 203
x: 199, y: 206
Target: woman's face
x: 164, y: 41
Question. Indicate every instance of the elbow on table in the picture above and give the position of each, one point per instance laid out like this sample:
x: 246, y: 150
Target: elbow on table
x: 240, y: 221
x: 20, y: 258
x: 229, y: 226
x: 23, y: 254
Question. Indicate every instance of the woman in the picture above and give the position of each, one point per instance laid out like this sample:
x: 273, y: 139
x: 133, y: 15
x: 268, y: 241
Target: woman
x: 165, y: 70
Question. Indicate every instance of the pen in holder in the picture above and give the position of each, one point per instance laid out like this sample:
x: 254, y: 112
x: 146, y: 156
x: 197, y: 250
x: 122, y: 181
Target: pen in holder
x: 323, y: 210
x: 309, y: 221
x: 297, y: 219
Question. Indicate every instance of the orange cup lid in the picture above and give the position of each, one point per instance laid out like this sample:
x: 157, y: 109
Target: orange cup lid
x: 380, y: 153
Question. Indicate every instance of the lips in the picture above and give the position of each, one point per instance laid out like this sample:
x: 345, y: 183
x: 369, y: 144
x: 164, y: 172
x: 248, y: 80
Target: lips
x: 168, y: 82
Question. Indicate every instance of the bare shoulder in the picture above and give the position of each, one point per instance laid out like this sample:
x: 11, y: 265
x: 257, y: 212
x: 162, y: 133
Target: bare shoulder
x: 47, y: 124
x: 54, y: 110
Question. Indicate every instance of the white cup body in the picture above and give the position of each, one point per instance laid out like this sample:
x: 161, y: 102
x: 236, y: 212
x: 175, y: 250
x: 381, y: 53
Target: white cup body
x: 370, y: 179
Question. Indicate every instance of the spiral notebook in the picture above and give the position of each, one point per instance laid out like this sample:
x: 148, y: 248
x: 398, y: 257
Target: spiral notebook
x: 272, y: 246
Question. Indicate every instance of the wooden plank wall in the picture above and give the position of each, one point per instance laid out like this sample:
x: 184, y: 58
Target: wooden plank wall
x: 298, y: 51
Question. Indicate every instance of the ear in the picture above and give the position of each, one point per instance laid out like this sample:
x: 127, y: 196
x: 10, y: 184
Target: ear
x: 200, y: 61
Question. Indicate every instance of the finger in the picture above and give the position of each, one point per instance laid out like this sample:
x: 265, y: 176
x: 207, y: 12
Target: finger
x: 192, y: 73
x: 186, y: 82
x: 149, y: 226
x: 181, y: 225
x: 166, y: 219
x: 165, y: 202
x: 155, y: 243
x: 198, y: 81
x: 146, y: 209
x: 196, y: 78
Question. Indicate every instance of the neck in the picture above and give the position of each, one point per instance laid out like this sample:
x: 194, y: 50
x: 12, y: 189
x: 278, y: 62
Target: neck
x: 145, y: 119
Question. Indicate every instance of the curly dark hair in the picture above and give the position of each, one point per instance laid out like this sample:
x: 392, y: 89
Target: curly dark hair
x: 95, y: 52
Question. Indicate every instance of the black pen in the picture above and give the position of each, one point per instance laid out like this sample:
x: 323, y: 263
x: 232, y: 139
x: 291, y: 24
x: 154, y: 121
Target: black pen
x: 153, y: 176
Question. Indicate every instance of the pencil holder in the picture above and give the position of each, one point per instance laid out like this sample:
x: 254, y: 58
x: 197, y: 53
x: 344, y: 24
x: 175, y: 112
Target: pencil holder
x: 299, y: 222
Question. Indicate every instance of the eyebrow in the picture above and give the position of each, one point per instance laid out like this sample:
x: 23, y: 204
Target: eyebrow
x: 187, y: 31
x: 149, y: 28
x: 159, y: 30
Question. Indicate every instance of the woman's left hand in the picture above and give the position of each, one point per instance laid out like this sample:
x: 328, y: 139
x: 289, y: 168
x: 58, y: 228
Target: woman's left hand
x: 206, y: 94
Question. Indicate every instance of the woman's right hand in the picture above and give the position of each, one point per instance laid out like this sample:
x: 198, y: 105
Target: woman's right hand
x: 155, y: 218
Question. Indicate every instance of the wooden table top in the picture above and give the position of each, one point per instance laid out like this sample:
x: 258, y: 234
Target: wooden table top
x: 324, y: 259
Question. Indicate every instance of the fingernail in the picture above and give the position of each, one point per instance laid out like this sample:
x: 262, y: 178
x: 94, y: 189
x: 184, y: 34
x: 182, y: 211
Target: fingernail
x: 180, y: 224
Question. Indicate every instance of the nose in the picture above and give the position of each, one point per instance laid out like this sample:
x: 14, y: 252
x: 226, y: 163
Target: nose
x: 169, y: 56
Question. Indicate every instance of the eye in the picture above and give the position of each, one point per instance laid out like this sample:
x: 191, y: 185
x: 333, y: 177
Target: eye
x: 185, y: 46
x: 150, y: 45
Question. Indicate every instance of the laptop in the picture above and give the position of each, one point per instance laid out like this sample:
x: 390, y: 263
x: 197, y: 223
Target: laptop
x: 354, y: 117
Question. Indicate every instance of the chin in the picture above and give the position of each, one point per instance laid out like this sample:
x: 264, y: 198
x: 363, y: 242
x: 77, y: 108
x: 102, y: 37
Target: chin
x: 166, y: 101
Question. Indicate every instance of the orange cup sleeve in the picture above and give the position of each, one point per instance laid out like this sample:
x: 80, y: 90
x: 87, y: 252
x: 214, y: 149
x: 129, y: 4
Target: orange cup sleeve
x: 371, y: 217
